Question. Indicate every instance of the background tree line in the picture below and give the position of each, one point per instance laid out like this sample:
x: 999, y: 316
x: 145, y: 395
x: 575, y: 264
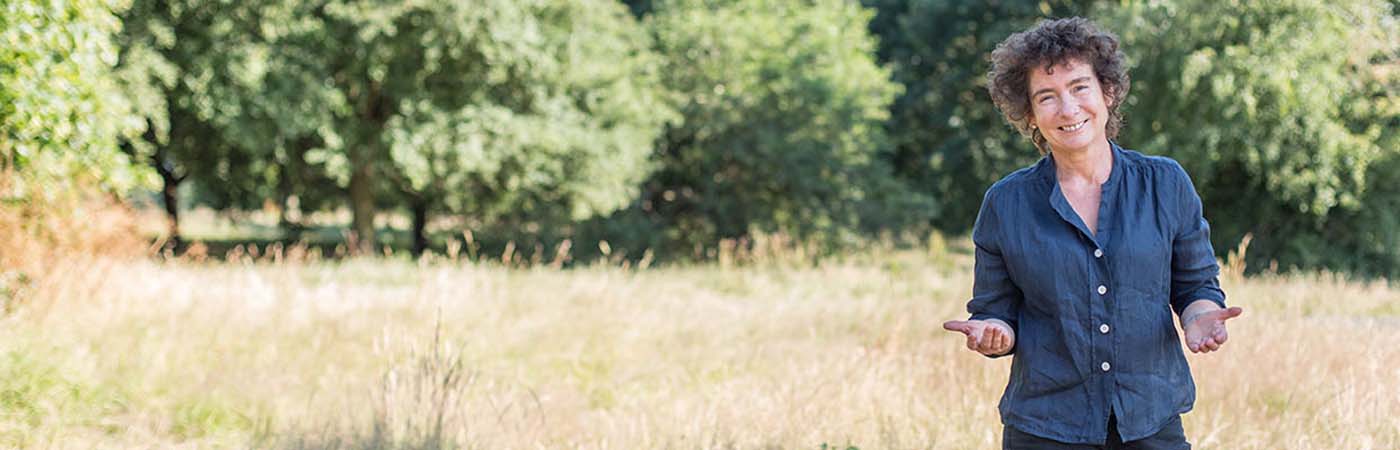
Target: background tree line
x: 672, y: 125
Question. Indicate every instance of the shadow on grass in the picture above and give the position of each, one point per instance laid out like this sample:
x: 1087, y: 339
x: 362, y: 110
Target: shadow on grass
x: 322, y: 243
x: 517, y: 249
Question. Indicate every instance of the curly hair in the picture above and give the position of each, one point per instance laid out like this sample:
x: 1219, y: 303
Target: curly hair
x: 1051, y: 43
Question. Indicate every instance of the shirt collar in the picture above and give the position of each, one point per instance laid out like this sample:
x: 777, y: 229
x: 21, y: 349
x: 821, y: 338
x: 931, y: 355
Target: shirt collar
x: 1045, y: 168
x: 1061, y: 205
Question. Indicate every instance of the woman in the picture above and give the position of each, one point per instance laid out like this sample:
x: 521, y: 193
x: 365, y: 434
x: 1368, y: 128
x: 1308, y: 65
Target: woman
x: 1082, y: 258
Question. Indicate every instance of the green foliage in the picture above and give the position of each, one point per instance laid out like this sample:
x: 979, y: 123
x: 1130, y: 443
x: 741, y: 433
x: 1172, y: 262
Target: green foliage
x: 481, y: 109
x: 221, y: 108
x: 1361, y: 241
x: 1278, y: 110
x: 813, y: 120
x: 553, y: 115
x: 783, y: 106
x: 950, y: 141
x: 62, y: 110
x: 1281, y: 112
x: 639, y: 8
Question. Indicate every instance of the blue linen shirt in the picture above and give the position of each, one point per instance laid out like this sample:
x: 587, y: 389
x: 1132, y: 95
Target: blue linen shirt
x: 1092, y: 312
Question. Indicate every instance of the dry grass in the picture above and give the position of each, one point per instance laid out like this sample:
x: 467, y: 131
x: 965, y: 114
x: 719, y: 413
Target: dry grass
x: 394, y: 354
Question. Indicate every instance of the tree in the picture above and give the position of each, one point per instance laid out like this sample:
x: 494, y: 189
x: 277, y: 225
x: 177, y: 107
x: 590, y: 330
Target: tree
x: 164, y: 45
x: 552, y: 119
x: 485, y: 108
x: 1277, y: 109
x: 782, y: 108
x: 218, y: 105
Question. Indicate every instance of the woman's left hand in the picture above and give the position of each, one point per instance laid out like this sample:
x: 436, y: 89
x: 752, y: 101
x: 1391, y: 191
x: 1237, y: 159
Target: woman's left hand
x: 1205, y: 331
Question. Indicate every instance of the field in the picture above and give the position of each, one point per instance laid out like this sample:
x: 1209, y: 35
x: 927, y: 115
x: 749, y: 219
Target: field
x: 391, y: 353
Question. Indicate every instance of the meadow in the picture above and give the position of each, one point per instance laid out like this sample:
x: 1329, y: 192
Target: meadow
x: 286, y: 353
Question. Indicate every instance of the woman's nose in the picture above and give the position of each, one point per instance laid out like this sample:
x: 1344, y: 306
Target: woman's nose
x: 1069, y: 107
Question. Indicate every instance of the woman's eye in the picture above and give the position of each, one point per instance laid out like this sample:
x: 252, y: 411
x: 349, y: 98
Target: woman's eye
x: 1080, y: 88
x: 1043, y: 100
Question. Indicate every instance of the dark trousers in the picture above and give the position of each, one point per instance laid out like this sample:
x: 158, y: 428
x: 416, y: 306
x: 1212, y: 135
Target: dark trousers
x: 1171, y: 437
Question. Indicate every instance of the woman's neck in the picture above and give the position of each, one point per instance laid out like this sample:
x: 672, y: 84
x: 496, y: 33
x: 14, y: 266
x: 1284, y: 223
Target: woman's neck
x: 1090, y: 165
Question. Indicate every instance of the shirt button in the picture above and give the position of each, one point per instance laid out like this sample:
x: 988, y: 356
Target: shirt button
x: 1103, y: 328
x: 1105, y: 366
x: 1103, y: 289
x: 1098, y: 253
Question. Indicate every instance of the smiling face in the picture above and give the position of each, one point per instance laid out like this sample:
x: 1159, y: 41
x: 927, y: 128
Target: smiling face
x: 1068, y: 106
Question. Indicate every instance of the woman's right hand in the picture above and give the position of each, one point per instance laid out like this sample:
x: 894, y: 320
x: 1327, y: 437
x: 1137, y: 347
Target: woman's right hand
x: 988, y: 337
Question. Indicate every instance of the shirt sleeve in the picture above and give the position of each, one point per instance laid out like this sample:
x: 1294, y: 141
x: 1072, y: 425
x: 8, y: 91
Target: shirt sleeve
x: 1195, y: 273
x: 994, y: 295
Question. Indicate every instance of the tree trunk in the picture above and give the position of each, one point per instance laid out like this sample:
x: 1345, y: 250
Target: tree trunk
x: 362, y: 203
x: 374, y: 112
x: 170, y: 184
x: 420, y: 225
x: 169, y: 193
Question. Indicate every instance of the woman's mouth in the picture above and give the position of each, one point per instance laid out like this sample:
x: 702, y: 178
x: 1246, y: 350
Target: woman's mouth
x: 1075, y: 127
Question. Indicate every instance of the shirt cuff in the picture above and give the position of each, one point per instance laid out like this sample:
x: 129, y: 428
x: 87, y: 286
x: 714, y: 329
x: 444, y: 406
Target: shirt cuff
x: 1213, y: 295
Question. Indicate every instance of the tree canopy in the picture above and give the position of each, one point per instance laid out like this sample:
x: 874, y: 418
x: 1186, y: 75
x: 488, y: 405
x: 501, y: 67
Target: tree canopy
x: 485, y: 109
x: 1277, y: 109
x: 782, y: 105
x: 675, y: 125
x: 950, y: 141
x: 62, y: 109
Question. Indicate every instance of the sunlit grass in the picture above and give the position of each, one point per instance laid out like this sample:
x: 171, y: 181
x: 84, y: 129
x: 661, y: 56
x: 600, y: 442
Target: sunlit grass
x: 398, y: 354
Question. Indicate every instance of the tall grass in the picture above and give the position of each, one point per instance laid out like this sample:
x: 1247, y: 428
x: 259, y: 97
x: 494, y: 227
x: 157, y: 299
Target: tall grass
x: 392, y: 353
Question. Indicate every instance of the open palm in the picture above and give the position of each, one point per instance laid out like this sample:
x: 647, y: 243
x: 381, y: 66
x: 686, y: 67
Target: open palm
x: 1205, y: 332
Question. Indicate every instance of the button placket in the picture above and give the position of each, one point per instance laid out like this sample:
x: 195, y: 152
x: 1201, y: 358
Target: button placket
x: 1102, y: 290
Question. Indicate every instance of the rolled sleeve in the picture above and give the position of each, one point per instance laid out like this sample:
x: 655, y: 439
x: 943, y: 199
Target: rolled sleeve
x: 1195, y: 273
x: 994, y: 294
